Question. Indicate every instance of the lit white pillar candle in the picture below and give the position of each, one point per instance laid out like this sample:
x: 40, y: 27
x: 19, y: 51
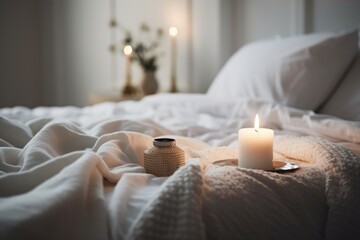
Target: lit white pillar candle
x: 128, y: 51
x: 256, y: 147
x: 173, y: 32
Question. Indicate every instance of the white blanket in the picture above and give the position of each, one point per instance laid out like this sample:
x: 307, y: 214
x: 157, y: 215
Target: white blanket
x: 53, y: 162
x: 248, y: 204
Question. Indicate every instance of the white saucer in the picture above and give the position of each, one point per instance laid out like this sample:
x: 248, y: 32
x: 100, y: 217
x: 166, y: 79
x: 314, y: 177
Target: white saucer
x: 279, y: 166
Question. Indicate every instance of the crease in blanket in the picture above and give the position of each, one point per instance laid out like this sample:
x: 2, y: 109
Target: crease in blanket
x: 53, y: 140
x: 342, y: 188
x: 175, y: 213
x: 70, y: 205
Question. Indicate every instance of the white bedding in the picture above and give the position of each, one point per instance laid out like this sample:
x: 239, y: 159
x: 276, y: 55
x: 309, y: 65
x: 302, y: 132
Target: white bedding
x: 53, y: 162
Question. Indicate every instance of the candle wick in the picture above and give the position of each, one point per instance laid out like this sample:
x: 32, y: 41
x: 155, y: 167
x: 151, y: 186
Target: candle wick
x: 256, y: 131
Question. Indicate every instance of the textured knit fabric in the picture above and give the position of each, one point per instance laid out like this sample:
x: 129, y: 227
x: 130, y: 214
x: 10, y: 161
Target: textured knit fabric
x: 235, y: 203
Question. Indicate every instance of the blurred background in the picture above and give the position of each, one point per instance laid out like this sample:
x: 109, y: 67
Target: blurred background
x: 58, y: 52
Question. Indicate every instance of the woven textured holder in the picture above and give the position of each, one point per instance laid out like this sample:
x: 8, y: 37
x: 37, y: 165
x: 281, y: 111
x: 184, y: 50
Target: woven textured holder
x: 163, y: 161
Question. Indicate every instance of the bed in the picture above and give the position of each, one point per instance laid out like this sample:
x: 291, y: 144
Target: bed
x: 77, y: 173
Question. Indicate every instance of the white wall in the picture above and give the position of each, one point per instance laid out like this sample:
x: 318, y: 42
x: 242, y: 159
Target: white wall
x: 334, y: 15
x: 206, y: 42
x: 56, y: 52
x: 259, y: 19
x: 81, y: 40
x: 262, y: 19
x: 20, y: 81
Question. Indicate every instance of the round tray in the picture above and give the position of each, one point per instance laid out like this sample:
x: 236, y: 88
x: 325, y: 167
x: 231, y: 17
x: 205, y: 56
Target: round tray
x: 279, y: 166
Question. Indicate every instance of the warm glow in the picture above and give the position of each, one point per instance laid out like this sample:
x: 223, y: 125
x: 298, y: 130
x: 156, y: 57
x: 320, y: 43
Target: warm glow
x: 257, y: 122
x: 173, y: 31
x: 128, y: 50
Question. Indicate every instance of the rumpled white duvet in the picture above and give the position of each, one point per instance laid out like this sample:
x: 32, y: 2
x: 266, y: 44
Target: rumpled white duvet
x: 76, y: 173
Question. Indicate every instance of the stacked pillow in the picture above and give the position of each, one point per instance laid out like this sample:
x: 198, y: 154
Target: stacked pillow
x: 299, y: 71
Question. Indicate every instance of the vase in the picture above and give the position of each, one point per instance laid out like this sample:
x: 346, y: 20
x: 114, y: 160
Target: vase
x: 164, y: 158
x: 149, y: 83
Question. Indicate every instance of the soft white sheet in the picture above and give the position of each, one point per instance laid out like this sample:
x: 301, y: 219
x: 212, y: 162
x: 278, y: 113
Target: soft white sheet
x: 53, y: 162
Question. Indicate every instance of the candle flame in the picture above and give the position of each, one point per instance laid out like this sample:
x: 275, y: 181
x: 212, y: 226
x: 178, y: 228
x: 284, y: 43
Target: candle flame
x: 257, y: 124
x: 173, y: 31
x: 128, y: 50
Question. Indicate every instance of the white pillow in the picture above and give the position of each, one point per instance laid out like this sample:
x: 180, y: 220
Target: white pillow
x: 345, y: 102
x: 298, y: 71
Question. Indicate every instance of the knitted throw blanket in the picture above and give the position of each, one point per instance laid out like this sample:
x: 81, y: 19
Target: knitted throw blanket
x: 206, y: 201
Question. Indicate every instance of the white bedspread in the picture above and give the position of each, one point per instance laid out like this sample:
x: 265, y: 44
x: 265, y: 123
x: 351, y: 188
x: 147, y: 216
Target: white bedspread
x: 71, y: 173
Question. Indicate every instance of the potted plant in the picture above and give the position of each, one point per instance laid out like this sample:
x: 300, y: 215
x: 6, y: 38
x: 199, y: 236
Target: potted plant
x: 146, y: 53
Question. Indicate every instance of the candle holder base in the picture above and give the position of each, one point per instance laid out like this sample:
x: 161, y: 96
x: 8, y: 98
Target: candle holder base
x: 129, y: 90
x: 279, y: 166
x: 173, y: 87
